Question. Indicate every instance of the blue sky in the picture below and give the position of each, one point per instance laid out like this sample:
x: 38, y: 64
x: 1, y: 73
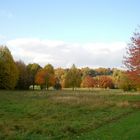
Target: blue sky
x: 73, y: 21
x: 70, y: 20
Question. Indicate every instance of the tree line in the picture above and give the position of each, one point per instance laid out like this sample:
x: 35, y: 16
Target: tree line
x: 18, y: 75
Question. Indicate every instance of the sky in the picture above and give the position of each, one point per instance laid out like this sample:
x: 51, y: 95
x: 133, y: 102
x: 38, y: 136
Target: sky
x: 92, y: 33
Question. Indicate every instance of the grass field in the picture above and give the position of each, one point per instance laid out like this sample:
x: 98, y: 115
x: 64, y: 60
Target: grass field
x: 67, y: 115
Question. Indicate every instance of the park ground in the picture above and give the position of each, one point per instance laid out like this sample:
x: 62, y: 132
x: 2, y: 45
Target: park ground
x: 69, y: 115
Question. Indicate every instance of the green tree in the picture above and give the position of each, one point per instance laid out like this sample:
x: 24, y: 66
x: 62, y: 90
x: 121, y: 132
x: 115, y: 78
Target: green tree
x: 8, y: 69
x: 23, y: 80
x: 116, y: 77
x: 49, y: 68
x: 50, y: 76
x: 103, y: 71
x: 73, y: 77
x: 32, y: 70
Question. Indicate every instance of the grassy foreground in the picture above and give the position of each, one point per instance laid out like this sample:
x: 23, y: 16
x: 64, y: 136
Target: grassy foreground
x: 67, y: 115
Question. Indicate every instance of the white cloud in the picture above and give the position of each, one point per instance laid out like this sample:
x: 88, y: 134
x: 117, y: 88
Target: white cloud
x: 60, y: 53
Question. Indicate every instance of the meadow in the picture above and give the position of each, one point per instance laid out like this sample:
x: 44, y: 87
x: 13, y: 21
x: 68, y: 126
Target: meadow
x: 69, y: 115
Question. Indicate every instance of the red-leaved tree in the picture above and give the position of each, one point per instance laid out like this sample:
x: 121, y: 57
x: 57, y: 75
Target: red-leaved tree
x: 132, y: 59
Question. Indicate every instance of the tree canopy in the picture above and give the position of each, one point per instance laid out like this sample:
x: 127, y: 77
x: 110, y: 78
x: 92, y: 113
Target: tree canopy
x: 32, y: 70
x: 73, y: 78
x: 132, y: 59
x: 8, y: 69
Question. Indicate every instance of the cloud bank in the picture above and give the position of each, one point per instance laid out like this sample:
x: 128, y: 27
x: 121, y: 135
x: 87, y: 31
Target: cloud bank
x: 64, y: 54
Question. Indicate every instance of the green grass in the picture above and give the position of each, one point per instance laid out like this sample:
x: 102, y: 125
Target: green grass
x: 67, y: 115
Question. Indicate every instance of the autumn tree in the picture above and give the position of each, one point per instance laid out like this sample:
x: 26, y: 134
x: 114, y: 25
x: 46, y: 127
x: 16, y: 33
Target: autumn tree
x: 45, y: 78
x: 73, y: 78
x: 40, y: 78
x: 59, y: 76
x: 8, y: 69
x: 105, y: 82
x: 23, y: 82
x: 57, y: 84
x: 116, y: 77
x: 132, y: 59
x: 32, y: 70
x: 125, y: 82
x: 59, y: 73
x: 88, y: 82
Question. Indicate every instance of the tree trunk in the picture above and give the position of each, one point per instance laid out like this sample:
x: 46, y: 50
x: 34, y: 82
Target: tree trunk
x: 41, y: 87
x: 73, y: 88
x: 47, y: 87
x: 33, y: 86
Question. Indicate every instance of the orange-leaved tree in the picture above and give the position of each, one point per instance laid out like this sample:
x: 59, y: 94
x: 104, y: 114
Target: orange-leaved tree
x: 44, y: 79
x: 105, y: 82
x: 88, y: 82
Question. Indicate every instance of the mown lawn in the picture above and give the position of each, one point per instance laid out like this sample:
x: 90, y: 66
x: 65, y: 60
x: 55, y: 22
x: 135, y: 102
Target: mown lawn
x: 67, y: 115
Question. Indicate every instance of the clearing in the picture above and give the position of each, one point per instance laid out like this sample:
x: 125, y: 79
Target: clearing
x: 68, y: 115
